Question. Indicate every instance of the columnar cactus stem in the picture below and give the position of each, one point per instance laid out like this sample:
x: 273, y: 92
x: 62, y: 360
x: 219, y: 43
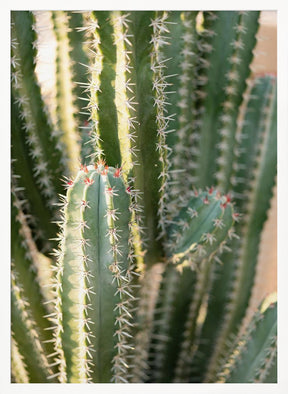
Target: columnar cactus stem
x: 95, y: 251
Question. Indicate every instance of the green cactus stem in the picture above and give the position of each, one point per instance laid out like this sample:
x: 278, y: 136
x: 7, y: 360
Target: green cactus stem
x: 95, y: 264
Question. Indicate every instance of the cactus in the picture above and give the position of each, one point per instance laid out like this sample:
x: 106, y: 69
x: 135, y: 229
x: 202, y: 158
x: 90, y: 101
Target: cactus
x: 156, y: 158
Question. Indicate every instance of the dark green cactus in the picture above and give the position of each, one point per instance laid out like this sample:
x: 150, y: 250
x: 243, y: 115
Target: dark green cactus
x: 159, y: 150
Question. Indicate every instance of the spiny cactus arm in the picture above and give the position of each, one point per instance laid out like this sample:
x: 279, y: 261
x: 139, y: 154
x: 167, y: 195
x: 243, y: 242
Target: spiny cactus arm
x: 222, y: 75
x: 257, y: 207
x: 27, y: 333
x: 44, y: 145
x: 18, y: 367
x: 65, y: 108
x: 220, y: 296
x: 255, y: 352
x: 28, y: 191
x: 201, y: 227
x: 96, y: 275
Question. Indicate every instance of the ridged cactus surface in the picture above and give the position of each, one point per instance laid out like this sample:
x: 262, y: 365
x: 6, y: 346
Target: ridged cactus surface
x: 140, y: 189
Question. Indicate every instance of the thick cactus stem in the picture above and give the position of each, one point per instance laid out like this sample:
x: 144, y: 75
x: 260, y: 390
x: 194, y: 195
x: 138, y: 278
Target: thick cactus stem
x: 96, y: 266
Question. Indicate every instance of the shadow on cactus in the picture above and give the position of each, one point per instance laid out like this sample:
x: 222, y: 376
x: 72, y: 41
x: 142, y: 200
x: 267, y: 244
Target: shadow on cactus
x: 140, y: 186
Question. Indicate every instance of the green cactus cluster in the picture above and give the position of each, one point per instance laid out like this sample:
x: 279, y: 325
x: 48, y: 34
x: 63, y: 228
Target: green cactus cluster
x: 139, y: 192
